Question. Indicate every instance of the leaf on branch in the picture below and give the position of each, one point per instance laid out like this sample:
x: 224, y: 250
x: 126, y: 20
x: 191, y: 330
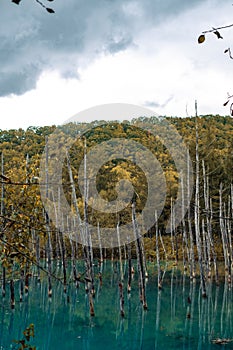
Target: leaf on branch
x: 224, y: 104
x: 16, y: 1
x: 218, y: 34
x: 50, y: 10
x: 201, y: 39
x: 229, y: 51
x: 231, y: 109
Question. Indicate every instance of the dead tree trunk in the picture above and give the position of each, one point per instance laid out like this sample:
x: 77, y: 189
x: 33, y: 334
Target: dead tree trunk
x: 38, y: 256
x: 197, y: 213
x: 140, y: 252
x: 63, y: 254
x: 2, y: 214
x: 48, y: 243
x: 3, y: 282
x: 228, y: 224
x: 209, y: 231
x: 73, y: 261
x: 191, y: 251
x: 223, y: 229
x: 184, y: 240
x: 100, y: 244
x: 88, y: 246
x: 119, y: 251
x: 129, y: 268
x: 157, y: 253
x: 172, y: 228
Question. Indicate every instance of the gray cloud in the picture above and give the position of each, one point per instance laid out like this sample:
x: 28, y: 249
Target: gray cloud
x: 156, y: 104
x: 31, y: 40
x: 116, y: 45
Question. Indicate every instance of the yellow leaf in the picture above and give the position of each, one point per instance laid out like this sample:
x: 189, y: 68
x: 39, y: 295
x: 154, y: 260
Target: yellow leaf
x: 201, y: 39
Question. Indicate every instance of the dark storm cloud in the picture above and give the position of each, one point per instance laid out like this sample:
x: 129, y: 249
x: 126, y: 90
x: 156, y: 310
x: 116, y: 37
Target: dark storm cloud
x: 32, y: 41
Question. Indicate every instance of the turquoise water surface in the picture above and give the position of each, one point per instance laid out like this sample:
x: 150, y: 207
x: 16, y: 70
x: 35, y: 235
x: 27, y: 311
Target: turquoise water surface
x: 177, y: 316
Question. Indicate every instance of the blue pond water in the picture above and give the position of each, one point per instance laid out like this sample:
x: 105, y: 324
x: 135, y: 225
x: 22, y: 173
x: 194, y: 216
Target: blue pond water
x: 66, y: 325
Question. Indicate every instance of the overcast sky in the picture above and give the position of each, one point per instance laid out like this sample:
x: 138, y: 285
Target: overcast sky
x: 92, y: 52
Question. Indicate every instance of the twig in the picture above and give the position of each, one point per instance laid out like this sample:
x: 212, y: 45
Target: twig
x: 214, y: 29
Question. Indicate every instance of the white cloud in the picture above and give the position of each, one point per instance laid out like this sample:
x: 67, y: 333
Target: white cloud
x: 127, y: 59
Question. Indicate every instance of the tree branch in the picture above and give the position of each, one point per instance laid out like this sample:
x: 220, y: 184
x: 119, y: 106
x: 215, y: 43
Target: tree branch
x: 214, y: 29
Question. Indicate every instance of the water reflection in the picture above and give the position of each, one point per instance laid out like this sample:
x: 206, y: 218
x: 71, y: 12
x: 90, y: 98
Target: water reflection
x: 178, y: 317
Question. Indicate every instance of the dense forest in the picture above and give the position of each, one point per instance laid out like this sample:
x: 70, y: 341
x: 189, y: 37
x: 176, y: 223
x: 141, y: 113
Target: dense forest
x: 28, y: 234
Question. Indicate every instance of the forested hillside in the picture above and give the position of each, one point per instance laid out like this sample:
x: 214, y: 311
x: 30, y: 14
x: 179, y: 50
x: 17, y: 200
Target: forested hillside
x: 22, y: 214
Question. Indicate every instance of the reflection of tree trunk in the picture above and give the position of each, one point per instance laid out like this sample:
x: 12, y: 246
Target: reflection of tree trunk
x: 12, y: 293
x: 158, y: 307
x: 142, y: 331
x: 190, y: 308
x: 202, y: 321
x: 105, y: 253
x: 129, y: 268
x: 121, y: 299
x: 228, y: 311
x: 215, y: 309
x: 21, y: 285
x: 174, y: 282
x: 223, y: 309
x: 27, y: 275
x: 91, y: 305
